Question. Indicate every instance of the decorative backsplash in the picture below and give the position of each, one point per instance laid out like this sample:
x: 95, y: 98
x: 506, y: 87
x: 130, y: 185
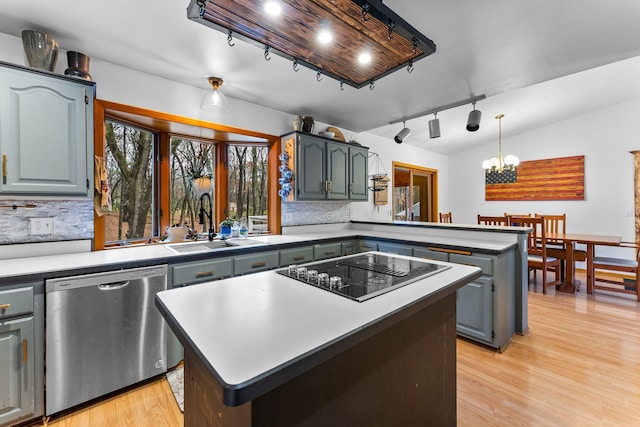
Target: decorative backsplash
x: 307, y: 213
x: 57, y: 220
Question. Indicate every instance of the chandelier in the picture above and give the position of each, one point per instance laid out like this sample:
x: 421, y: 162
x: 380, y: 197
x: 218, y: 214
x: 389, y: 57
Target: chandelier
x: 500, y: 170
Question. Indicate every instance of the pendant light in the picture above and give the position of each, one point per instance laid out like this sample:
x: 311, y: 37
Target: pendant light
x: 434, y: 127
x: 500, y: 163
x: 214, y: 99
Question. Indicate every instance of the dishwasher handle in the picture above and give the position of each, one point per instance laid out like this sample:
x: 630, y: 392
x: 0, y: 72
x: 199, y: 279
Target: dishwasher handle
x: 113, y: 286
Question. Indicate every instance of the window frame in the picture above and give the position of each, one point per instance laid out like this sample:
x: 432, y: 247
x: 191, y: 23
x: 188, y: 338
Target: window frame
x: 167, y: 126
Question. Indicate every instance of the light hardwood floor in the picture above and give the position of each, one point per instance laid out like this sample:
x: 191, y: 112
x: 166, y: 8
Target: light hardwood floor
x: 579, y: 365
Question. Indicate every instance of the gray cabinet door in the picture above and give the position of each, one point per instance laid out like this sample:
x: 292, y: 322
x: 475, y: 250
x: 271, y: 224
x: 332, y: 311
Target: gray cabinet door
x: 358, y: 173
x: 337, y: 171
x: 46, y: 134
x: 17, y: 370
x: 475, y: 310
x: 311, y: 168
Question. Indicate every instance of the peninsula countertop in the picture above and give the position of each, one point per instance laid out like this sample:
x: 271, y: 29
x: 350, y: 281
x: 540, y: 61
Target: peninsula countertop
x: 36, y: 268
x: 256, y: 332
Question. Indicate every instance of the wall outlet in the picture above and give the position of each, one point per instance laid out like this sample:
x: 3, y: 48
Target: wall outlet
x: 329, y: 215
x: 40, y: 226
x: 348, y: 214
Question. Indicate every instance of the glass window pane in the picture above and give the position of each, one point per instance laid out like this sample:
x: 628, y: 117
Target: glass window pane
x: 129, y: 156
x: 247, y: 187
x: 192, y: 183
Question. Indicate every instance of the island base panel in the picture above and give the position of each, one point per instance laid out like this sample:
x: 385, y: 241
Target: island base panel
x: 404, y: 375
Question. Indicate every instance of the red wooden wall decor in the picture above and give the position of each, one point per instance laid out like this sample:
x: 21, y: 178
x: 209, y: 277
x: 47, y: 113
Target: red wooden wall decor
x: 549, y: 179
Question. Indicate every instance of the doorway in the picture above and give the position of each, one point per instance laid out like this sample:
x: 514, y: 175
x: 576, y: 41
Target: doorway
x: 415, y: 191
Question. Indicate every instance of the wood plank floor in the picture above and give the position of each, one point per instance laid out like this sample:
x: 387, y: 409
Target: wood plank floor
x: 579, y: 365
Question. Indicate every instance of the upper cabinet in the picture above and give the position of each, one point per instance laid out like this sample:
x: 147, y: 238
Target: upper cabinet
x: 324, y: 169
x: 46, y: 133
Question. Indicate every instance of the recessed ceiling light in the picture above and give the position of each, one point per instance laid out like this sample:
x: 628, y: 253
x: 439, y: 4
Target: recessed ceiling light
x: 273, y: 8
x: 364, y: 58
x: 325, y: 36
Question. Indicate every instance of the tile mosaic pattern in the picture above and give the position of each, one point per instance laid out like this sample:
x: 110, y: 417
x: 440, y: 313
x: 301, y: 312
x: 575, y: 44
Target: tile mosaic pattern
x: 72, y: 220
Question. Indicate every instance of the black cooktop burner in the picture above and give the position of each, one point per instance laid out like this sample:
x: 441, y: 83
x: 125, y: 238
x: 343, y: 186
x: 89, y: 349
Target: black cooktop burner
x: 362, y: 276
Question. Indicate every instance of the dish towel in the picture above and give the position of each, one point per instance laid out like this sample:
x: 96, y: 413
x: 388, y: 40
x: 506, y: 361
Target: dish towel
x: 101, y: 193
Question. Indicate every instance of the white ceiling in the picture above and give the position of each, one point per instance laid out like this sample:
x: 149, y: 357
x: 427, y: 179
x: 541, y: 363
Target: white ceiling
x: 501, y: 48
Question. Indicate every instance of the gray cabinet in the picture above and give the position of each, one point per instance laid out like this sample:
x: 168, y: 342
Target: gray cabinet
x: 21, y: 353
x: 202, y: 271
x: 328, y: 170
x: 296, y: 255
x: 246, y: 264
x: 358, y: 173
x: 327, y: 250
x: 46, y: 133
x: 474, y: 313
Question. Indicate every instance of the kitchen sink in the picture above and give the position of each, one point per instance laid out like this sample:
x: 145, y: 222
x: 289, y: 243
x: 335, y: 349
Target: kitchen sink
x: 208, y: 246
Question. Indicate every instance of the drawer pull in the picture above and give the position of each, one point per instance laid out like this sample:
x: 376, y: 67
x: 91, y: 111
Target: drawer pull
x: 201, y: 274
x: 25, y: 350
x: 450, y: 251
x: 258, y: 264
x: 298, y: 258
x: 5, y: 306
x: 4, y: 168
x: 329, y: 252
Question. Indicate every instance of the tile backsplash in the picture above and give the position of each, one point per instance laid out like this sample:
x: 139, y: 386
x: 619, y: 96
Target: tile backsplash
x: 305, y: 213
x: 68, y: 219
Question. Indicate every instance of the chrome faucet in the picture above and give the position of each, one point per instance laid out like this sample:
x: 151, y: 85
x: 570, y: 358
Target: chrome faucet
x: 208, y: 214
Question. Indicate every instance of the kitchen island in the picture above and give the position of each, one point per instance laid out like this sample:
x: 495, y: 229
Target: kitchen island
x: 265, y: 349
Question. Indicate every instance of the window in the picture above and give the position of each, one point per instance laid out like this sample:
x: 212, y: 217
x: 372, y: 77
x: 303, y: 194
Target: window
x: 248, y: 198
x: 191, y: 165
x: 152, y: 158
x: 129, y: 155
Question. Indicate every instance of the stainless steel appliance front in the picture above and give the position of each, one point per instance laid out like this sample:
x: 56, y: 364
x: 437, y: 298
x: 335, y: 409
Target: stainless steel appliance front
x: 103, y: 333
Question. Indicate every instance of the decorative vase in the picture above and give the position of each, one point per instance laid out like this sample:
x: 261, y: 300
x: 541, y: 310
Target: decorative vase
x: 225, y: 231
x: 297, y: 123
x: 78, y: 65
x: 307, y: 124
x: 41, y: 49
x: 200, y: 186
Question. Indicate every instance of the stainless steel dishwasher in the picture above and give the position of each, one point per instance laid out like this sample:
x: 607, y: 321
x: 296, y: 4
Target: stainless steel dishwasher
x: 103, y: 333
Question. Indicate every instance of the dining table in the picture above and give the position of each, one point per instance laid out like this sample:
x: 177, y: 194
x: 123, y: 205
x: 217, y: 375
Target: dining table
x: 590, y: 241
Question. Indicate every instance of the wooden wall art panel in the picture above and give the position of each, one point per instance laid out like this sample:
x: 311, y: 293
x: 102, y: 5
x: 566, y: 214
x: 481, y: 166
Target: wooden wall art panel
x: 549, y: 179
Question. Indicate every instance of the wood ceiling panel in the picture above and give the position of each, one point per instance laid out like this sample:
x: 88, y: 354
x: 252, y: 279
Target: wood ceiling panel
x: 294, y: 34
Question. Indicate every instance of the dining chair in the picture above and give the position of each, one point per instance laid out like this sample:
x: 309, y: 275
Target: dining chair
x: 556, y: 248
x: 445, y: 217
x: 492, y: 220
x: 537, y: 257
x: 610, y: 272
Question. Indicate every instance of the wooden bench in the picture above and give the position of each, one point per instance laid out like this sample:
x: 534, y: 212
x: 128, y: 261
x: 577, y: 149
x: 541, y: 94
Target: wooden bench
x: 609, y: 273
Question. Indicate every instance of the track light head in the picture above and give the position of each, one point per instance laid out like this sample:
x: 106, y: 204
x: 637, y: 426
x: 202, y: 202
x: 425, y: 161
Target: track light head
x: 473, y: 123
x: 434, y: 127
x: 402, y: 135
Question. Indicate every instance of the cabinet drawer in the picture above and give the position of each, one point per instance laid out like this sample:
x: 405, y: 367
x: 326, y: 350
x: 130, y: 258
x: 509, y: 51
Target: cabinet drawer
x: 395, y: 249
x: 429, y: 254
x: 367, y: 246
x: 328, y: 250
x: 296, y: 256
x: 255, y: 263
x: 486, y: 264
x: 196, y: 272
x: 16, y: 301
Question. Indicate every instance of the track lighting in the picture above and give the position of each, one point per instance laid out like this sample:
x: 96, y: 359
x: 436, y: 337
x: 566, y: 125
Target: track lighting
x: 403, y: 134
x: 434, y: 127
x: 473, y: 123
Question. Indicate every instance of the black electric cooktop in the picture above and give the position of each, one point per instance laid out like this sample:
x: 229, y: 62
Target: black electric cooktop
x: 363, y: 276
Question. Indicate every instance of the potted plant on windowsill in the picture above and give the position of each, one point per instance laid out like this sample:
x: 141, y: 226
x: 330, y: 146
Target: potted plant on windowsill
x: 200, y: 180
x: 225, y: 227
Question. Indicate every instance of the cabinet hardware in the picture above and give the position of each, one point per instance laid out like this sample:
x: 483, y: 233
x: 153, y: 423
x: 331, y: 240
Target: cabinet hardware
x: 450, y: 251
x: 330, y: 185
x: 205, y: 273
x: 5, y: 306
x: 88, y: 185
x: 329, y: 252
x: 298, y: 258
x: 4, y: 168
x: 258, y: 264
x: 25, y: 350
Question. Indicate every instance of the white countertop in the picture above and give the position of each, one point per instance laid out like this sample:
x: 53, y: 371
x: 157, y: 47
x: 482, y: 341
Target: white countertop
x: 253, y: 326
x: 160, y: 252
